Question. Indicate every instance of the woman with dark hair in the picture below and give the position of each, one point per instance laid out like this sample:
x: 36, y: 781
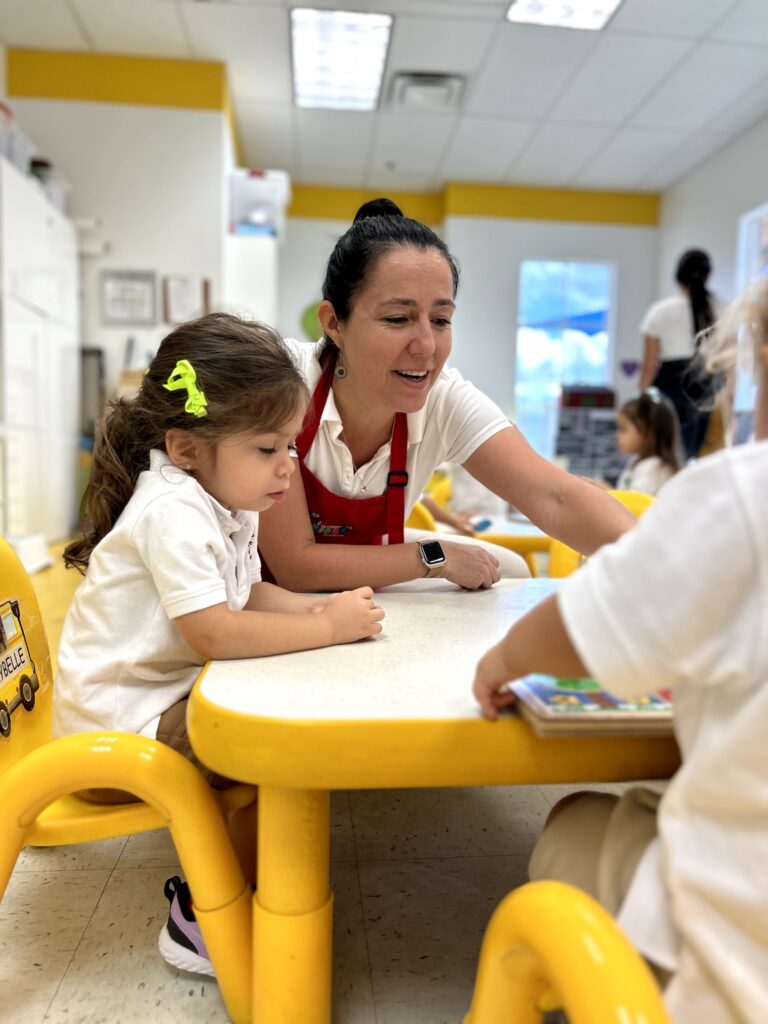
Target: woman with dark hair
x: 670, y: 329
x: 385, y: 412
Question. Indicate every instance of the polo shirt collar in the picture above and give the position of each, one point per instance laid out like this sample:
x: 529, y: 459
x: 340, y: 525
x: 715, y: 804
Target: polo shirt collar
x: 230, y: 521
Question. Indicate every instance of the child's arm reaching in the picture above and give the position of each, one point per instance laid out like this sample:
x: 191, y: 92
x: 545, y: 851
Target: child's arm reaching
x: 218, y: 632
x: 536, y: 643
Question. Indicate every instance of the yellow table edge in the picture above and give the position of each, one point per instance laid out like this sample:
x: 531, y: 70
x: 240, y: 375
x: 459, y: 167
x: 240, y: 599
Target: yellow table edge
x: 394, y: 753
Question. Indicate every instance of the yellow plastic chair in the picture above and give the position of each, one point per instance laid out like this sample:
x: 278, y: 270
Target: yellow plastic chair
x: 441, y: 492
x: 564, y: 560
x: 550, y: 945
x: 40, y: 777
x: 421, y: 519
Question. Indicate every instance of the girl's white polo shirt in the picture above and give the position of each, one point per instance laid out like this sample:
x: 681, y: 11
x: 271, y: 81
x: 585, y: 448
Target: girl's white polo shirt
x: 174, y: 550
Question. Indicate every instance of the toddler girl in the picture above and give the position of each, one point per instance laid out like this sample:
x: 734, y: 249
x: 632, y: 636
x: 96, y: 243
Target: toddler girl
x: 647, y: 431
x: 179, y: 475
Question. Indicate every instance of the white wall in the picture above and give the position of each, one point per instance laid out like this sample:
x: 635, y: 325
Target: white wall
x: 703, y: 209
x: 490, y: 251
x: 153, y: 176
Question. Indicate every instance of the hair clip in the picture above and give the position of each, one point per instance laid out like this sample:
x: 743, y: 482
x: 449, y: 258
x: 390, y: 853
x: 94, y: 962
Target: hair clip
x: 654, y: 394
x: 184, y: 377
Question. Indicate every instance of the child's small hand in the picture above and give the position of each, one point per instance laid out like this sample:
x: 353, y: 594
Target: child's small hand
x: 491, y: 676
x: 353, y: 615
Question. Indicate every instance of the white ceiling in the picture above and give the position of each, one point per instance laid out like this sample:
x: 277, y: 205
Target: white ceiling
x: 635, y: 106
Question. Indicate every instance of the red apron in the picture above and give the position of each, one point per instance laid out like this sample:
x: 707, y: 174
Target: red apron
x: 339, y: 520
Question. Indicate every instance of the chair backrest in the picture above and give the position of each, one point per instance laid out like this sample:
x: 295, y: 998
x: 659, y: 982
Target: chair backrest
x: 26, y: 678
x: 441, y: 492
x: 564, y: 560
x: 421, y: 519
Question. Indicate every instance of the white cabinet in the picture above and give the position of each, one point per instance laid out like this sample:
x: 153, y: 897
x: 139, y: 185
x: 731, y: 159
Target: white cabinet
x: 39, y: 361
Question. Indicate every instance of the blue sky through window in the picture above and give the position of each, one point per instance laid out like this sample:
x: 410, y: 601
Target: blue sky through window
x: 562, y: 338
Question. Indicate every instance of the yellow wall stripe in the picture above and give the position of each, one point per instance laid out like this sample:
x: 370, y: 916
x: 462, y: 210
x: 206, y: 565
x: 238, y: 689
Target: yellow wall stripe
x: 551, y: 204
x: 343, y: 203
x: 111, y: 78
x: 458, y: 200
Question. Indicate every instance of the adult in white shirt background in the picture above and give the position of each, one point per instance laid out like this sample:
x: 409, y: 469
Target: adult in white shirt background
x: 669, y: 329
x: 386, y: 411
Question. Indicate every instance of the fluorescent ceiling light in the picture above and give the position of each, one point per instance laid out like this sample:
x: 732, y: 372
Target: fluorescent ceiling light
x: 338, y: 58
x: 586, y: 14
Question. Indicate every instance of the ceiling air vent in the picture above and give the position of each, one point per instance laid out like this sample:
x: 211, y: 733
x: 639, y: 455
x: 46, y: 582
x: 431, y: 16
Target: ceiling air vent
x: 421, y: 90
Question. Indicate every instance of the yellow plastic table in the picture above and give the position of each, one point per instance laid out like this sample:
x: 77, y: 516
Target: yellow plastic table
x: 520, y: 536
x: 392, y: 712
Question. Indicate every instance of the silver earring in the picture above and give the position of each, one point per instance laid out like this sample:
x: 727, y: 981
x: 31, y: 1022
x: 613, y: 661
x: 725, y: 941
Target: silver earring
x: 341, y: 371
x: 187, y: 467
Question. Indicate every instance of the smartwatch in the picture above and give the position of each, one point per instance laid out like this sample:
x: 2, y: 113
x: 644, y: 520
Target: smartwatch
x: 433, y: 557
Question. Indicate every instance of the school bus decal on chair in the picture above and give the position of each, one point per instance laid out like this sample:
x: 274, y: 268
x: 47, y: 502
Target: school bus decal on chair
x: 18, y: 679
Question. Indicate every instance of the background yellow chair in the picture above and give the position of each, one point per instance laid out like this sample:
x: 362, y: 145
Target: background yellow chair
x: 564, y: 560
x: 440, y: 492
x: 549, y: 945
x: 39, y: 779
x: 421, y: 519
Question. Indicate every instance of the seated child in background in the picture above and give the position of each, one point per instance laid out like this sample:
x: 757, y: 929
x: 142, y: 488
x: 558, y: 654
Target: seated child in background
x: 169, y: 544
x: 679, y: 602
x: 469, y: 502
x: 647, y: 430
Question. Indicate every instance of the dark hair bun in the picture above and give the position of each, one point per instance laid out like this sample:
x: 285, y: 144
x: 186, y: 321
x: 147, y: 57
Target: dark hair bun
x: 378, y: 208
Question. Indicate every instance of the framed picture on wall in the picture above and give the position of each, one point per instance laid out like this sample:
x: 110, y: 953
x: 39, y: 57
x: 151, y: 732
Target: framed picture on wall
x: 185, y: 297
x: 128, y: 297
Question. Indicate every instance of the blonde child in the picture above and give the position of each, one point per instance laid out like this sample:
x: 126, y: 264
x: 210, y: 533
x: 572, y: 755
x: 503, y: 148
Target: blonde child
x: 680, y: 603
x: 647, y: 431
x: 180, y: 473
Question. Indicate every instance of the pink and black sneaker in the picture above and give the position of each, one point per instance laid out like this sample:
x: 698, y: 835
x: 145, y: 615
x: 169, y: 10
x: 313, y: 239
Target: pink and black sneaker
x: 180, y: 942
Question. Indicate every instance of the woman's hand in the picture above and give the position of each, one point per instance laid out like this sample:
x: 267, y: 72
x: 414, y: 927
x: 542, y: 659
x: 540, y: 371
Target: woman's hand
x: 491, y: 677
x: 470, y: 566
x: 352, y: 615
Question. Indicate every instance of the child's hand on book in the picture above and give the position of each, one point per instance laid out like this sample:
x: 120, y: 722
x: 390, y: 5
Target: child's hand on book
x: 490, y: 685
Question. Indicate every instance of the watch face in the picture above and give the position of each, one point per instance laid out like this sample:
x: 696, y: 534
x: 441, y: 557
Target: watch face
x: 432, y: 553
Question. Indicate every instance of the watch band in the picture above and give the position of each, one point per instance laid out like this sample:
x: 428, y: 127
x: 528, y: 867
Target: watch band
x: 434, y: 570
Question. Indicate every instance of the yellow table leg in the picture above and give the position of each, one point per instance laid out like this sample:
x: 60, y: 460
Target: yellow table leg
x: 293, y: 909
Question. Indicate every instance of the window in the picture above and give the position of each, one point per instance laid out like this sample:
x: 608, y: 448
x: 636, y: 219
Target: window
x: 562, y: 338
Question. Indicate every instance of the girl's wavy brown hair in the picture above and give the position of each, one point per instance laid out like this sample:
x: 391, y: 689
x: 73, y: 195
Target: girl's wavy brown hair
x: 250, y: 381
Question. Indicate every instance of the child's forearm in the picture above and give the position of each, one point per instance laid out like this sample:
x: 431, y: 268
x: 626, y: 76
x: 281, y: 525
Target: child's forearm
x: 218, y: 633
x: 539, y: 642
x: 265, y: 597
x: 536, y: 643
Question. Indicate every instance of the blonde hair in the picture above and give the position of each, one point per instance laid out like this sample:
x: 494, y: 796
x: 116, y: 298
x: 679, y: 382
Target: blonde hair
x: 744, y: 322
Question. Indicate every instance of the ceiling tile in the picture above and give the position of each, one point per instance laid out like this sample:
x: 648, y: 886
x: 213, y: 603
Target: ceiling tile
x: 331, y: 177
x: 394, y: 181
x: 411, y: 144
x: 556, y: 153
x: 714, y: 75
x: 629, y: 157
x: 620, y: 73
x: 465, y: 9
x: 439, y: 45
x: 689, y: 18
x: 266, y: 134
x: 687, y: 156
x: 143, y: 27
x: 747, y: 22
x: 40, y: 25
x: 743, y: 112
x: 483, y: 148
x: 526, y: 70
x: 334, y: 138
x: 253, y: 41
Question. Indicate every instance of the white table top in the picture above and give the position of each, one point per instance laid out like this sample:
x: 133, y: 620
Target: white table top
x: 420, y: 667
x: 512, y: 527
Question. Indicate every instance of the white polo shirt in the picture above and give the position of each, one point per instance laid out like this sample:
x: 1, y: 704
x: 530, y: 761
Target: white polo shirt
x: 647, y: 475
x: 174, y: 550
x: 455, y: 421
x: 681, y: 602
x: 671, y: 321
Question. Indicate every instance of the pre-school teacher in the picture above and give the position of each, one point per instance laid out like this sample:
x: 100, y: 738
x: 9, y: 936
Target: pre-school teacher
x: 385, y: 413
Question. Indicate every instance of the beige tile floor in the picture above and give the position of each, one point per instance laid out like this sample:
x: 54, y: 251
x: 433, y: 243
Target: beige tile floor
x: 416, y: 875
